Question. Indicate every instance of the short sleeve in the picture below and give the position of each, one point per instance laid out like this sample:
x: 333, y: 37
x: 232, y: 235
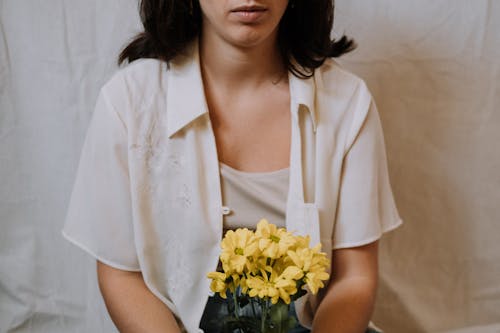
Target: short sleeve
x: 99, y: 216
x: 366, y: 207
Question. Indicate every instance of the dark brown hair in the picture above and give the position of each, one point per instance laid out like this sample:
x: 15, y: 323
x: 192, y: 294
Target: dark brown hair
x: 304, y: 33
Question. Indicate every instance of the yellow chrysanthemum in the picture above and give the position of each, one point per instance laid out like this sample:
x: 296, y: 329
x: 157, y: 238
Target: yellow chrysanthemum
x: 301, y: 242
x: 274, y: 285
x: 313, y: 264
x: 270, y: 263
x: 273, y: 242
x: 286, y: 291
x: 218, y: 284
x: 263, y: 286
x: 287, y: 282
x: 314, y: 280
x: 292, y: 273
x: 238, y: 280
x: 237, y: 247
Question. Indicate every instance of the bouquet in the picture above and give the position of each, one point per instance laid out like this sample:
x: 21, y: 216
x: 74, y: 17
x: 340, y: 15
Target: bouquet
x: 265, y: 271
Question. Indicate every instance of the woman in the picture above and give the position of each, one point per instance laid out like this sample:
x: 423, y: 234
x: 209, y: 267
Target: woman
x: 231, y: 111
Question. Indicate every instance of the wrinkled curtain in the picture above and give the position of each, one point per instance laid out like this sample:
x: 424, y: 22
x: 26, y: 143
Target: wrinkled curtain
x: 434, y: 70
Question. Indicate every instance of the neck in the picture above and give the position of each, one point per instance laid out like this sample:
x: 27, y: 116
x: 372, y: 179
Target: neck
x: 234, y: 66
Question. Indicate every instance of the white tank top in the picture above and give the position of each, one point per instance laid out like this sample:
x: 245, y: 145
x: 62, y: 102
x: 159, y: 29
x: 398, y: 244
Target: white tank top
x: 251, y: 196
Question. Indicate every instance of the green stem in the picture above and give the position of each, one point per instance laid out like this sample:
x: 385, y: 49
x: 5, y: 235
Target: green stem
x: 236, y: 307
x: 236, y: 310
x: 264, y: 305
x: 253, y: 308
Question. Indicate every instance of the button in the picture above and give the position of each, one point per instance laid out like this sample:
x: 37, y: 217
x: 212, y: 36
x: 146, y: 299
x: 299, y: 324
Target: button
x: 225, y: 210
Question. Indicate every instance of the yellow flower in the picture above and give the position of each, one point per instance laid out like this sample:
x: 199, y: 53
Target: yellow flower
x: 238, y: 280
x: 218, y: 284
x: 263, y: 286
x: 287, y: 282
x: 314, y: 280
x: 274, y: 285
x: 301, y: 242
x: 273, y: 242
x: 292, y: 273
x: 286, y: 291
x: 237, y: 247
x: 313, y: 264
x: 270, y: 263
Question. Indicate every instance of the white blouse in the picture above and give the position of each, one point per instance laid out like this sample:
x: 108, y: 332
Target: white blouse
x: 147, y: 194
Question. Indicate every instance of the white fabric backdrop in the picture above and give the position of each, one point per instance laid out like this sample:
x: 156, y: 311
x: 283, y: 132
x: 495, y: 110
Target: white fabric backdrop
x: 434, y: 69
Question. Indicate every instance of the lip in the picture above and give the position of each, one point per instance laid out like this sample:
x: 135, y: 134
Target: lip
x: 249, y: 13
x: 249, y: 8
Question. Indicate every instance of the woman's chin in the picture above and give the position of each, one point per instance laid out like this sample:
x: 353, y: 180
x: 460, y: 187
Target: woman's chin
x: 249, y: 37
